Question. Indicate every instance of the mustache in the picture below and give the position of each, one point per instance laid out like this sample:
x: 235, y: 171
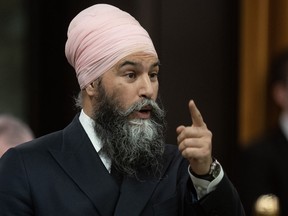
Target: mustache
x: 153, y: 106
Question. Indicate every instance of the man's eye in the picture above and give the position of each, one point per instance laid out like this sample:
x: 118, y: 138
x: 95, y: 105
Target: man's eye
x: 154, y: 75
x: 130, y: 75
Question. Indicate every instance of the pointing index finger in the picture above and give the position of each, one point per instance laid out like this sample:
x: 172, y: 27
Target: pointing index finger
x: 196, y: 116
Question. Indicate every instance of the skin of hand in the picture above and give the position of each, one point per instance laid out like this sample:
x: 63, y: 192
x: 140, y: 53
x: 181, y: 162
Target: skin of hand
x: 195, y: 142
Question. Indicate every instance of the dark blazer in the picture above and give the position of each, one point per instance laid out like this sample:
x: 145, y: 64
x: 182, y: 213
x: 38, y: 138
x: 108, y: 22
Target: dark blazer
x: 263, y: 170
x: 61, y: 174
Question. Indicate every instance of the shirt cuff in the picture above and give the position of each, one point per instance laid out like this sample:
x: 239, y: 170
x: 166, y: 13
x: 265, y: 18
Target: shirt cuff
x: 203, y: 187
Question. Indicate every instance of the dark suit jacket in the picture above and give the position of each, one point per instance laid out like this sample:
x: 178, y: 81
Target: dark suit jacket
x: 263, y: 170
x: 61, y: 174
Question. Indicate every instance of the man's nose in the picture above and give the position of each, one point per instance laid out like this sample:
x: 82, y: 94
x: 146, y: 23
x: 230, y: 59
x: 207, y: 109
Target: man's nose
x: 146, y: 89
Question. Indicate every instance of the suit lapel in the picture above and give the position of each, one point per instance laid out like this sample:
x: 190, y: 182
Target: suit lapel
x: 81, y: 162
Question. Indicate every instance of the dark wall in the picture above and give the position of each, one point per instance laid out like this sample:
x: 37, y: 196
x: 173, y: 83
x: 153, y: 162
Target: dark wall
x: 197, y: 44
x: 199, y: 47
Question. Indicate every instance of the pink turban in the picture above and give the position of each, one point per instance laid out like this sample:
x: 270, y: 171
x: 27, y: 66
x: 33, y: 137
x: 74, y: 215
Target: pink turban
x: 100, y: 36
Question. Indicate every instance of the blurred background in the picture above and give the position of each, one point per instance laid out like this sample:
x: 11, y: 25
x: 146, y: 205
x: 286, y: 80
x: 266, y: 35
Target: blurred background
x: 215, y: 52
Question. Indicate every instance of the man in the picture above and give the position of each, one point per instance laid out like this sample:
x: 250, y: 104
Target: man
x: 13, y: 132
x: 265, y: 160
x: 112, y: 160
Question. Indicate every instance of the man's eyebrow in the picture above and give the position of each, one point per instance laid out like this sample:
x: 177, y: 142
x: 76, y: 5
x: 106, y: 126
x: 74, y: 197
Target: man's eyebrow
x: 128, y: 63
x: 156, y: 64
x: 137, y: 63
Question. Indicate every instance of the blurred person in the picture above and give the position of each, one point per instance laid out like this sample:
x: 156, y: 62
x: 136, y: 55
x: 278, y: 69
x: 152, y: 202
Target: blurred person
x: 13, y: 132
x: 264, y: 161
x: 112, y: 158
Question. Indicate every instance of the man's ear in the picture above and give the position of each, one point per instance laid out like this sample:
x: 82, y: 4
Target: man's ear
x: 91, y: 89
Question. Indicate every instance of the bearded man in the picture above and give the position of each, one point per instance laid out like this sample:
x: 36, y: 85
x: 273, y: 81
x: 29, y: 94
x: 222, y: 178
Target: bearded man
x: 112, y: 158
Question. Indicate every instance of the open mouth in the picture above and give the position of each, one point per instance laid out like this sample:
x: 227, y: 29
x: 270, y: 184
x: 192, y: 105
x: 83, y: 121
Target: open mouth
x: 143, y: 113
x: 145, y: 110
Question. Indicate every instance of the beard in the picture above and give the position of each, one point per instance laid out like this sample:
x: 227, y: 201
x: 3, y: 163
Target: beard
x: 133, y: 145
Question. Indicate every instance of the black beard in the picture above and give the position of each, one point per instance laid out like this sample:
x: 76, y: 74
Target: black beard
x: 129, y: 146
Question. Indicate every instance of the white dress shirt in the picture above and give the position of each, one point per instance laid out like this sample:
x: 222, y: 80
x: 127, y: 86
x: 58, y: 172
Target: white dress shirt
x: 88, y: 125
x: 202, y: 186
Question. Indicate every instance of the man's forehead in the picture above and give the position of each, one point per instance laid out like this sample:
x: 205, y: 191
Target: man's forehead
x: 139, y: 58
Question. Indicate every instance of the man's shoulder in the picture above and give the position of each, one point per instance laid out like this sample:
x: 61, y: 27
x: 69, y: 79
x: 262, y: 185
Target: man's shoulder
x: 50, y: 140
x: 44, y: 142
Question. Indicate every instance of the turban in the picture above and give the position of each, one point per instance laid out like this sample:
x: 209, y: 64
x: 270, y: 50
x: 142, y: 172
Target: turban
x: 100, y: 36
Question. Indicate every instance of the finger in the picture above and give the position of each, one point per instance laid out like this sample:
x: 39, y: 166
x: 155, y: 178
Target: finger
x: 195, y: 152
x: 180, y: 129
x: 196, y: 116
x: 190, y: 143
x: 189, y: 153
x: 190, y: 132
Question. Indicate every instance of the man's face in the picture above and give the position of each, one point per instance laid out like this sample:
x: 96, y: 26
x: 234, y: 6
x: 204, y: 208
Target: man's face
x: 128, y: 121
x: 133, y: 78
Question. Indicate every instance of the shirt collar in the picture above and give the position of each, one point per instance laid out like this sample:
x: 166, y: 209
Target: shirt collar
x: 88, y: 125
